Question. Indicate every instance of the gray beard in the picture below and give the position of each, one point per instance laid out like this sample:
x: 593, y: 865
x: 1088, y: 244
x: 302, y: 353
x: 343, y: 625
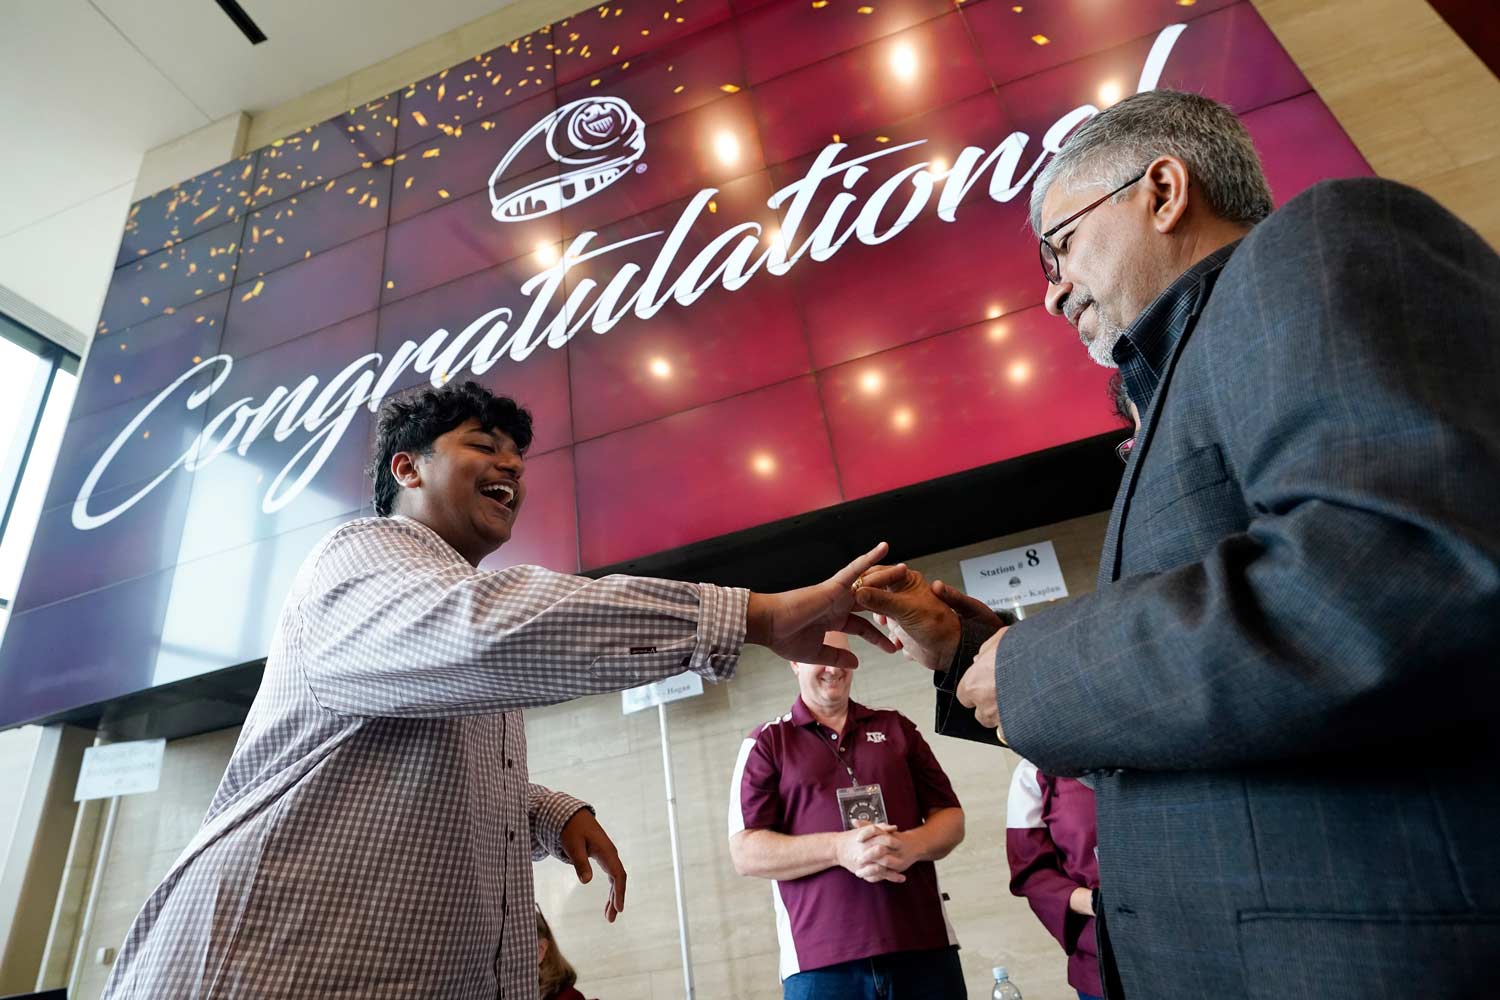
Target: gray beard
x: 1102, y: 347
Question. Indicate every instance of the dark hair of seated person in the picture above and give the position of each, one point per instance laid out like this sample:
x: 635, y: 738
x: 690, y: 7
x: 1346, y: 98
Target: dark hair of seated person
x: 555, y: 973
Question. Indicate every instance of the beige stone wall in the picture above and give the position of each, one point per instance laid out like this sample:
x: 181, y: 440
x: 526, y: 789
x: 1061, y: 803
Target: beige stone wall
x: 17, y: 748
x: 36, y: 794
x: 1417, y: 102
x: 150, y: 831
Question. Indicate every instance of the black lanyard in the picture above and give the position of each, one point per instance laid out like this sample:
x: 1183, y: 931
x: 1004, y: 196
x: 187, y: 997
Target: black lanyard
x: 833, y: 749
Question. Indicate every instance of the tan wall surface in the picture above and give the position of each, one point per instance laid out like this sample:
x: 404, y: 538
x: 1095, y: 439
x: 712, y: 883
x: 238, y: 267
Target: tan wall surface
x: 1421, y: 107
x: 37, y: 796
x: 150, y: 831
x: 17, y: 748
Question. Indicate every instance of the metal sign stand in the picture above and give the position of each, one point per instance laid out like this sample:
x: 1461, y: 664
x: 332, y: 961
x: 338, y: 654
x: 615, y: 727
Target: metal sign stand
x: 682, y: 925
x: 86, y: 925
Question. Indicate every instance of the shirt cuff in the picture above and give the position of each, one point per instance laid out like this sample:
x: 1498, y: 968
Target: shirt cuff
x: 951, y: 718
x: 721, y: 631
x: 971, y: 636
x: 553, y: 810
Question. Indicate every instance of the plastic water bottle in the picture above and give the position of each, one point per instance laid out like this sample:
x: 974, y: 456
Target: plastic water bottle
x: 1004, y: 988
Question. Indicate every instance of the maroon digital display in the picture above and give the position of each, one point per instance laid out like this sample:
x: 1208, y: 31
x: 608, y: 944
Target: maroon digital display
x: 743, y: 259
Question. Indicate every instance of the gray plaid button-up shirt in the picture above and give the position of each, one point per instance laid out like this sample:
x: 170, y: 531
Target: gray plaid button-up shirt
x: 374, y: 831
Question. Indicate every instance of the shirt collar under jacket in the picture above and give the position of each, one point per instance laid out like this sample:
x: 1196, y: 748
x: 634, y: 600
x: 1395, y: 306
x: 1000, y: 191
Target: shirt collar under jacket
x: 1143, y: 350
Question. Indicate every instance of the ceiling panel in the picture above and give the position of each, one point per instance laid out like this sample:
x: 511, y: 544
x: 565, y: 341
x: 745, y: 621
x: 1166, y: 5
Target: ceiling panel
x: 78, y: 107
x: 308, y: 44
x: 87, y: 88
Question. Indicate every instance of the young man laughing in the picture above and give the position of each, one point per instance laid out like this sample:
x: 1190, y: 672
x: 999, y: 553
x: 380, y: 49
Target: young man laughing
x: 374, y: 832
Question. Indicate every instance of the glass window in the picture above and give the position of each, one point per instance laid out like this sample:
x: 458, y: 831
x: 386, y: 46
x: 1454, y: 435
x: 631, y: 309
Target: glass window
x: 37, y: 382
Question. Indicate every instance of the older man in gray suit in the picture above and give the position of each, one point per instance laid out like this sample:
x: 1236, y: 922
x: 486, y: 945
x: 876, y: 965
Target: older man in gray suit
x: 1286, y: 688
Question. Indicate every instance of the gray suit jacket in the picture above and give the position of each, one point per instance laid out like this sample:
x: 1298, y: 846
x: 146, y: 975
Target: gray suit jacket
x: 1287, y: 685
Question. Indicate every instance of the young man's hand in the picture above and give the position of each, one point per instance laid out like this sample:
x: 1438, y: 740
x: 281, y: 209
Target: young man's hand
x: 793, y: 623
x: 584, y: 838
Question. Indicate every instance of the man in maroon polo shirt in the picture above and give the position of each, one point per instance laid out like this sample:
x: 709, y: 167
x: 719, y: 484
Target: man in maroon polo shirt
x: 845, y: 808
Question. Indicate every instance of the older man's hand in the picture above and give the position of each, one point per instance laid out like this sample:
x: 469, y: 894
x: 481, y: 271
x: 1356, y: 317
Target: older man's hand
x: 976, y: 689
x: 922, y: 624
x: 969, y: 608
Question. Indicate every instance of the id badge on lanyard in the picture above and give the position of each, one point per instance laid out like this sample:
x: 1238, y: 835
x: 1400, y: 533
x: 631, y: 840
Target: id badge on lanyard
x: 860, y: 804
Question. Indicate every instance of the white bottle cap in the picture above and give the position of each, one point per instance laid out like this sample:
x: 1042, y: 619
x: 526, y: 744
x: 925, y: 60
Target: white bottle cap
x: 1001, y: 974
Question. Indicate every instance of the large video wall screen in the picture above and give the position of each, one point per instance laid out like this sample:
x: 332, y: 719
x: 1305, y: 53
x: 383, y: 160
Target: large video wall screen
x: 742, y: 260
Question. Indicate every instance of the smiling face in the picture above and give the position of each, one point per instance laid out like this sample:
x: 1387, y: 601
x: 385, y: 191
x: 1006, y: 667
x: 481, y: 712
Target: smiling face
x: 825, y: 689
x: 1118, y: 256
x: 468, y: 488
x: 1104, y: 259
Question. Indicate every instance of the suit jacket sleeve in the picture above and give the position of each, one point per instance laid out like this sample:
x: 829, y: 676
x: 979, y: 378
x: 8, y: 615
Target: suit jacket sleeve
x: 1358, y: 332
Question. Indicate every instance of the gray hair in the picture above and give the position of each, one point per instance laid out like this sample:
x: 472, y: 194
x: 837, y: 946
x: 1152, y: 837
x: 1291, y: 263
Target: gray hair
x: 1204, y: 134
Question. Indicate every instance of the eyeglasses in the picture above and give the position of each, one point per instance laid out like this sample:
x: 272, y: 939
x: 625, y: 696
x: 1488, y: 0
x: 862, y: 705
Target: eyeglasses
x: 1051, y: 267
x: 1124, y: 448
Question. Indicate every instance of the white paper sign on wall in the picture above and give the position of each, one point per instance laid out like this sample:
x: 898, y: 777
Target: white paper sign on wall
x: 120, y: 769
x: 1028, y: 574
x: 676, y: 688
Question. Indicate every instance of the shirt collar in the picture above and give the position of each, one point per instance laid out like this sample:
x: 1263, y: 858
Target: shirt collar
x: 432, y: 533
x: 1144, y: 349
x: 802, y: 715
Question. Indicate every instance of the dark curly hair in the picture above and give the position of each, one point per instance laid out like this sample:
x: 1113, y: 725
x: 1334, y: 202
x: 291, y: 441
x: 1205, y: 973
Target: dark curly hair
x: 413, y: 420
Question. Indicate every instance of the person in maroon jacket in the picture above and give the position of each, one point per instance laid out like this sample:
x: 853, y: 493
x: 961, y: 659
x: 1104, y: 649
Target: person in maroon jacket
x: 1050, y: 835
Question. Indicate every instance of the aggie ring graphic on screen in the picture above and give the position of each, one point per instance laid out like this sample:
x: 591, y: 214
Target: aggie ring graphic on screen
x: 598, y: 137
